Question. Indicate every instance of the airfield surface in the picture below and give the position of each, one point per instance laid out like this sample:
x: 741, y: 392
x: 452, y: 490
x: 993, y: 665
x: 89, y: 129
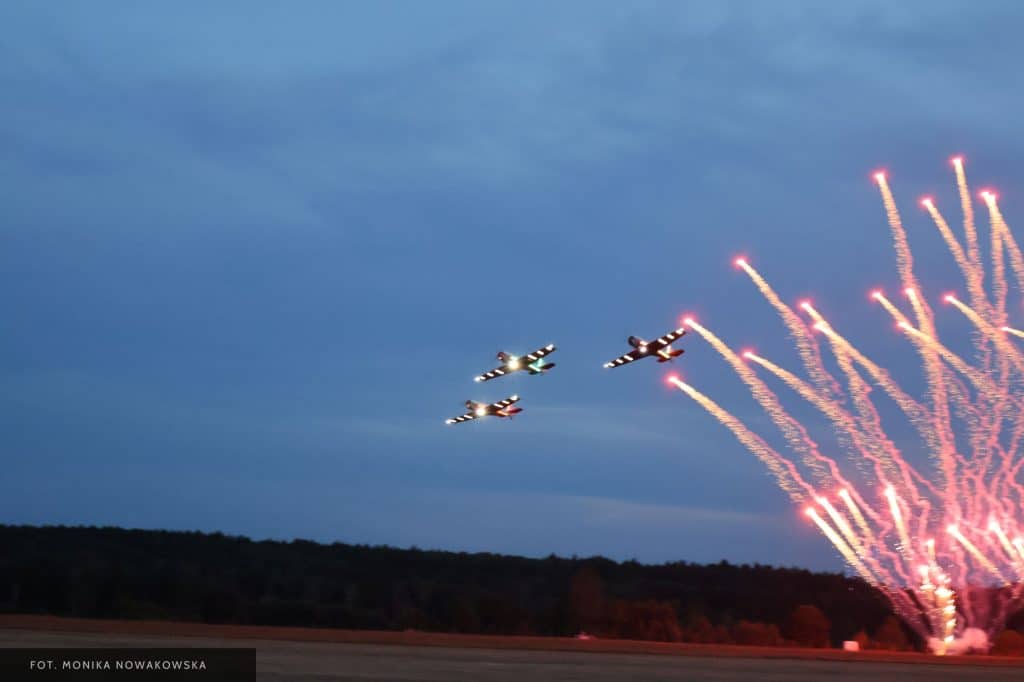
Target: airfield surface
x: 336, y: 655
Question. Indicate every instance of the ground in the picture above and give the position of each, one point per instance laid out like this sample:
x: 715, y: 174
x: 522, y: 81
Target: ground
x: 333, y: 655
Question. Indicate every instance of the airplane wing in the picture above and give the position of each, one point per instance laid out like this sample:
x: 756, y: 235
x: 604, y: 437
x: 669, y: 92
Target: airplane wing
x: 464, y: 418
x: 496, y: 372
x: 539, y: 353
x: 502, y: 404
x: 623, y: 359
x: 668, y: 339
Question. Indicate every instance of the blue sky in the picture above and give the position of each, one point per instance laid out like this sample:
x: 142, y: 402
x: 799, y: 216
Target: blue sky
x: 254, y: 253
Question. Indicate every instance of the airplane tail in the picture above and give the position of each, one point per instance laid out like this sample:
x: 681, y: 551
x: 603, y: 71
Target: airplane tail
x: 542, y: 368
x: 672, y: 355
x: 512, y: 411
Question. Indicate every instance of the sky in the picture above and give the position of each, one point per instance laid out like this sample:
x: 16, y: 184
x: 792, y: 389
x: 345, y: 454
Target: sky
x: 252, y: 254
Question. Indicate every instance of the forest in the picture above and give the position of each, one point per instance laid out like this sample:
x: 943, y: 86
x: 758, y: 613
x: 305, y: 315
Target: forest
x: 92, y: 572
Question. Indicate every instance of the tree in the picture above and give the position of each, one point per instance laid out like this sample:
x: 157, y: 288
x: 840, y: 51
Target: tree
x: 700, y: 630
x: 890, y: 636
x: 808, y: 626
x: 756, y: 634
x: 114, y: 573
x: 586, y: 599
x: 1008, y: 643
x: 647, y: 620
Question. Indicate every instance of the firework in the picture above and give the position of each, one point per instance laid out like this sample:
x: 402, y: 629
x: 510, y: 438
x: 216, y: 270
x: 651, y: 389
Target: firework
x: 914, y: 530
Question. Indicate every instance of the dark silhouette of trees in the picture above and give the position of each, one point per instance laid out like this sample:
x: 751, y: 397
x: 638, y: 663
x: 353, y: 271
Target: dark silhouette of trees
x: 1008, y: 643
x: 115, y: 573
x: 647, y: 620
x: 587, y: 609
x: 808, y: 626
x: 757, y: 634
x: 890, y: 635
x: 700, y: 630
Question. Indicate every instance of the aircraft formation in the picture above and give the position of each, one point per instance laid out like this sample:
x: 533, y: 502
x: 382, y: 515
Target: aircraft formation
x: 535, y: 363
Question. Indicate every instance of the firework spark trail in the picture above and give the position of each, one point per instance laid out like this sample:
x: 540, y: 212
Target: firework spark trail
x: 793, y: 430
x: 954, y: 246
x: 977, y: 378
x: 880, y: 452
x: 913, y: 409
x: 842, y: 524
x: 972, y: 476
x: 1017, y: 265
x: 975, y: 491
x: 875, y: 560
x: 973, y: 412
x: 975, y: 275
x: 841, y: 347
x: 785, y: 472
x: 988, y: 458
x: 925, y: 321
x: 839, y: 417
x: 873, y: 446
x: 891, y: 309
x: 904, y: 257
x: 919, y: 309
x: 981, y: 412
x: 1016, y: 259
x: 1001, y: 404
x: 1011, y: 554
x: 993, y: 333
x: 869, y: 420
x: 841, y: 545
x: 903, y: 473
x: 976, y: 553
x: 906, y: 548
x: 875, y: 567
x: 899, y: 599
x: 998, y: 308
x: 970, y: 233
x: 806, y: 345
x: 858, y: 516
x: 881, y: 461
x: 943, y: 441
x: 997, y: 316
x: 869, y: 424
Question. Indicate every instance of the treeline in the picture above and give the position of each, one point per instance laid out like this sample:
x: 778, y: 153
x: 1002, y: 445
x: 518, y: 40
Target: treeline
x: 116, y: 573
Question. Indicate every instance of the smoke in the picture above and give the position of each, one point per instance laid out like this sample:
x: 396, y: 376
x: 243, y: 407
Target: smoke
x: 972, y: 641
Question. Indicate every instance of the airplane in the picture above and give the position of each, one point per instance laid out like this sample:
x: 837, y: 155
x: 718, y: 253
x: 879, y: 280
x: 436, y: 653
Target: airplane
x: 660, y: 348
x: 502, y: 408
x: 511, y: 363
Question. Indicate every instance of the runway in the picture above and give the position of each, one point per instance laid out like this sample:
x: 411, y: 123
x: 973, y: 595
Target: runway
x: 279, y: 659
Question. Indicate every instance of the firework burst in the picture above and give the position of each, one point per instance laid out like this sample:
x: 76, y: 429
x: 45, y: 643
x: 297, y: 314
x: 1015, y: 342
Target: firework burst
x: 944, y: 541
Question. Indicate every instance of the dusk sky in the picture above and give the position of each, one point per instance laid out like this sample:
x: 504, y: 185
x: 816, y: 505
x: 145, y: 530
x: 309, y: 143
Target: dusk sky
x: 253, y: 254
